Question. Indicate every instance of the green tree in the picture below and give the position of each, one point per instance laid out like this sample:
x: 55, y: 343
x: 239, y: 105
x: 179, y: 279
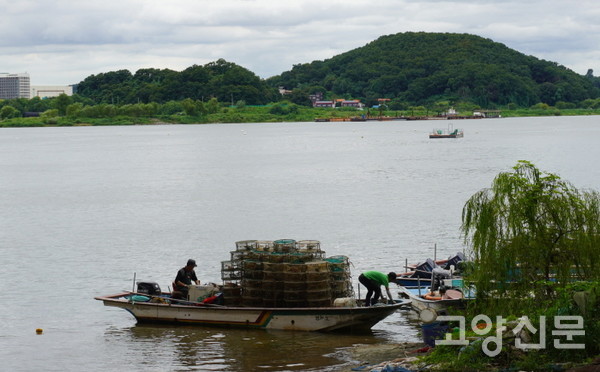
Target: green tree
x: 74, y: 109
x: 213, y: 106
x: 50, y: 116
x: 61, y: 103
x: 300, y: 97
x: 8, y: 112
x: 36, y: 104
x: 190, y: 107
x: 171, y: 108
x: 284, y: 108
x: 531, y: 234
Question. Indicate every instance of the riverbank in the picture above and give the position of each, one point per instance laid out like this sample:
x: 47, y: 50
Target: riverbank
x: 374, y: 357
x: 264, y: 114
x: 406, y: 357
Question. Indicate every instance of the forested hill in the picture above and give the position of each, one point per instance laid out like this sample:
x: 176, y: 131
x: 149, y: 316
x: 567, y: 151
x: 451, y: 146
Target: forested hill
x: 421, y: 68
x: 223, y: 80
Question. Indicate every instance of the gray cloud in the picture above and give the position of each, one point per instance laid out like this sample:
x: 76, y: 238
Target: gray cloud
x: 62, y: 42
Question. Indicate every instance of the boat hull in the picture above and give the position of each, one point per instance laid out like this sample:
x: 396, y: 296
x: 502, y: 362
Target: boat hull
x: 445, y: 136
x: 413, y: 282
x: 429, y: 310
x: 354, y: 319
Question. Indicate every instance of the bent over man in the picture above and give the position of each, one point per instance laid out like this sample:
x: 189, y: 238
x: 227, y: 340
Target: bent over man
x: 373, y: 280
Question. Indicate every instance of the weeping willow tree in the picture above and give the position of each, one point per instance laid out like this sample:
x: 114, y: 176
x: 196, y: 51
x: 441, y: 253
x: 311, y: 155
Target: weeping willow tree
x: 530, y: 234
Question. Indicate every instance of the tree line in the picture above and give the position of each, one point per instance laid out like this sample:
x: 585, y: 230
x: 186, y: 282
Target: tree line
x: 421, y: 68
x: 225, y: 81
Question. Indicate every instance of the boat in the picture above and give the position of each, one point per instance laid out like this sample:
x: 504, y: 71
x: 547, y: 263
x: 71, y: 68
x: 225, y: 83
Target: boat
x: 429, y: 303
x: 426, y: 118
x: 446, y: 133
x: 163, y: 309
x: 420, y: 274
x: 435, y: 286
x: 409, y: 282
x: 341, y: 119
x: 283, y: 284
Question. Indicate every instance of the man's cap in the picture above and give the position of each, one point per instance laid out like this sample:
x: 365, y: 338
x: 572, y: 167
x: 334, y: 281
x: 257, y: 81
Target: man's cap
x: 191, y: 263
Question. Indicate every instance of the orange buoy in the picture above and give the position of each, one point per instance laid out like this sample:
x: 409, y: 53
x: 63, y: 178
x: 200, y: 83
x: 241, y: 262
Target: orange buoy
x: 430, y: 296
x: 39, y: 331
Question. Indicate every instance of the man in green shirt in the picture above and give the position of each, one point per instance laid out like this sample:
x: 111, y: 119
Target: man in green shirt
x: 373, y: 280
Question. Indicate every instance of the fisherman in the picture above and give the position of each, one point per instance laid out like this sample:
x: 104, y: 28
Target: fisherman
x: 185, y: 276
x: 373, y: 280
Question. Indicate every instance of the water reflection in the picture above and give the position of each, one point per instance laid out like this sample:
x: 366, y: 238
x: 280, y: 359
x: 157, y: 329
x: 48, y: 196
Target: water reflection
x: 233, y: 349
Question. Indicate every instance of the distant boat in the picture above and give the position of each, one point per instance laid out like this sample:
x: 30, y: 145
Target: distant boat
x: 447, y: 133
x: 353, y: 118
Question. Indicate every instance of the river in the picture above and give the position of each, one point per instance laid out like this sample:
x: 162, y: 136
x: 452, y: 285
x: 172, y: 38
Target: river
x: 84, y: 208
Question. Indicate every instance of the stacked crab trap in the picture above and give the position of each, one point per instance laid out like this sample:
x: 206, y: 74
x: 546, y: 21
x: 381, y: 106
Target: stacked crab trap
x: 284, y: 273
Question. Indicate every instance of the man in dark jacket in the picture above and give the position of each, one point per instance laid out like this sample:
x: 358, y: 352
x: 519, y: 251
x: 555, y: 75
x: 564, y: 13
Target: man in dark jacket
x: 185, y: 276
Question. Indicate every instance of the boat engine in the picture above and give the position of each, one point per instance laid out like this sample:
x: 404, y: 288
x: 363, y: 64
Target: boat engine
x: 437, y: 277
x: 150, y: 288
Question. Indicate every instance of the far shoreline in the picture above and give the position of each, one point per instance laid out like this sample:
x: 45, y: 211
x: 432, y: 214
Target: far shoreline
x: 249, y: 117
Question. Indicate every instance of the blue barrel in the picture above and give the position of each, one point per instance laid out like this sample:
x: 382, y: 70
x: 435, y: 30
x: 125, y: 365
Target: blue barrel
x: 433, y: 331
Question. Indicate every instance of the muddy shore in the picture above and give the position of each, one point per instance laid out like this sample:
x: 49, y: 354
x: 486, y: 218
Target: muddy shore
x: 367, y: 357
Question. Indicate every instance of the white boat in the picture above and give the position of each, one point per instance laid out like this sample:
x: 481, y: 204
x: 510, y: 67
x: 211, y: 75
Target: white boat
x: 162, y: 309
x: 431, y: 304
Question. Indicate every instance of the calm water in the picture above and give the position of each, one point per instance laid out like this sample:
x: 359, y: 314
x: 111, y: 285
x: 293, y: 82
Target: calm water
x: 82, y: 209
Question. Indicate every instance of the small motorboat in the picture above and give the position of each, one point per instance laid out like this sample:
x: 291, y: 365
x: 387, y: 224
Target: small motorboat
x: 429, y: 302
x: 419, y: 275
x: 447, y: 133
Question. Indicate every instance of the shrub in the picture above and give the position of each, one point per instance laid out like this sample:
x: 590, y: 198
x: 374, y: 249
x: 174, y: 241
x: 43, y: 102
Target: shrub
x: 541, y: 106
x: 8, y: 112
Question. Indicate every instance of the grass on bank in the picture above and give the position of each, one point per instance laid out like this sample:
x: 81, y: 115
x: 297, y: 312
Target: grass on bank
x: 279, y: 112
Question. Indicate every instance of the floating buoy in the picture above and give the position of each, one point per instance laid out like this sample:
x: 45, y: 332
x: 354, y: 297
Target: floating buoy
x: 39, y: 331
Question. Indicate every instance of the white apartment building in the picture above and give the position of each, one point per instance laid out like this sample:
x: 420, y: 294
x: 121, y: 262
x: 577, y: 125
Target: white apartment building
x: 14, y: 86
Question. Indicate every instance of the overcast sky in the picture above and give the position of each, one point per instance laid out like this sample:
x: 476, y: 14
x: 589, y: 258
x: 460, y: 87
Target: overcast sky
x: 60, y: 42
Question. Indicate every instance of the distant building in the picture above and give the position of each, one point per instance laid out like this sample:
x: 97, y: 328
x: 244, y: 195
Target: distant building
x: 340, y: 102
x: 14, y: 86
x: 352, y: 103
x: 47, y: 91
x: 488, y: 113
x: 284, y: 91
x: 315, y: 97
x: 450, y: 113
x: 330, y: 104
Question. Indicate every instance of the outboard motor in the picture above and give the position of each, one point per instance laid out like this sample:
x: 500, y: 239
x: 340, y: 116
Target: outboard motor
x: 437, y: 277
x: 149, y: 288
x: 453, y: 261
x: 424, y: 269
